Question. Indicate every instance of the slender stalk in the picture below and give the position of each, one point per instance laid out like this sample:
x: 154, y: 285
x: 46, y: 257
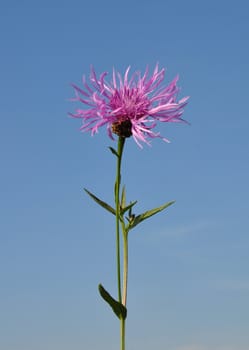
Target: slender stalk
x: 122, y: 334
x: 125, y: 268
x: 125, y: 280
x: 121, y: 142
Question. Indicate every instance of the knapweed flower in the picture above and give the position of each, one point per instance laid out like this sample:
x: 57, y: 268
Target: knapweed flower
x: 128, y: 106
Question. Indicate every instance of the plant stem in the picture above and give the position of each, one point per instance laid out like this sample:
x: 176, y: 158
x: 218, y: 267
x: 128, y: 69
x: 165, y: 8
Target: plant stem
x: 125, y: 267
x: 121, y: 142
x: 122, y: 334
x: 125, y: 280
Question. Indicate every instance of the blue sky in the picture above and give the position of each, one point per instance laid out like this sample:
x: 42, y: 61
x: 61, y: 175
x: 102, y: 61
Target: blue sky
x: 189, y: 277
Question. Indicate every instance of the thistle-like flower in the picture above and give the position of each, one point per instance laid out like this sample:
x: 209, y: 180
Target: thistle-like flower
x: 128, y: 106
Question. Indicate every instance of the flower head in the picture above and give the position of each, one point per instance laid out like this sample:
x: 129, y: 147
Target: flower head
x: 128, y: 106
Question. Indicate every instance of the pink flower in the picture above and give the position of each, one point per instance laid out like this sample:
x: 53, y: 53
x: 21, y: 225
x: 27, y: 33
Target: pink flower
x: 128, y: 106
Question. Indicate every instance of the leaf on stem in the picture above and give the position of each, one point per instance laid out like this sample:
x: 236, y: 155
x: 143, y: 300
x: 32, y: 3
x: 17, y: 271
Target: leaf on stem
x: 123, y: 198
x: 100, y: 202
x: 129, y: 207
x: 114, y: 151
x: 147, y: 214
x: 118, y: 308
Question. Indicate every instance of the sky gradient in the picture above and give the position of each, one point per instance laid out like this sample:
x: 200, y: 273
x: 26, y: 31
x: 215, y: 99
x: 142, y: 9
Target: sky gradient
x: 189, y: 276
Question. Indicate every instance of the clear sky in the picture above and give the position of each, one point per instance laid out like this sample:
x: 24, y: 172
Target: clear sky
x: 189, y: 275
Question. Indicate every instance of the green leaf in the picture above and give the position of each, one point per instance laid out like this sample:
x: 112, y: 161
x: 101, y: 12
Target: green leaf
x: 114, y: 151
x: 123, y: 198
x: 123, y: 210
x: 118, y: 308
x: 100, y: 202
x: 147, y: 214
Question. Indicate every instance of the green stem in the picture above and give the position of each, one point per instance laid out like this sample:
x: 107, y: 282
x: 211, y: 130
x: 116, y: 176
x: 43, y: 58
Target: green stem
x: 125, y: 280
x: 121, y: 142
x: 125, y: 267
x: 122, y: 334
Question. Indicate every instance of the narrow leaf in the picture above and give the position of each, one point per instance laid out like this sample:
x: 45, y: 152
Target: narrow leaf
x: 118, y: 308
x: 113, y: 151
x: 147, y: 214
x: 123, y: 198
x: 100, y: 202
x: 128, y: 207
